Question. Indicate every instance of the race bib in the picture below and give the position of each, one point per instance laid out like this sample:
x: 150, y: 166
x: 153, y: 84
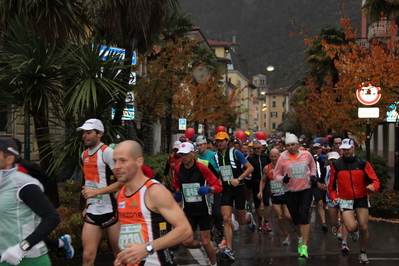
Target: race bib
x: 276, y: 187
x: 97, y: 199
x: 226, y: 172
x: 190, y: 192
x: 345, y: 204
x: 298, y: 170
x: 130, y: 233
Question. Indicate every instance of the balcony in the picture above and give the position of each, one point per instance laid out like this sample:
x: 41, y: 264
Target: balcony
x: 363, y: 43
x: 379, y: 29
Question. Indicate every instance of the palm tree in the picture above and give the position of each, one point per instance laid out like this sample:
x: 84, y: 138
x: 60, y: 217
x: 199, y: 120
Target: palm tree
x: 131, y: 25
x: 320, y: 64
x: 377, y: 9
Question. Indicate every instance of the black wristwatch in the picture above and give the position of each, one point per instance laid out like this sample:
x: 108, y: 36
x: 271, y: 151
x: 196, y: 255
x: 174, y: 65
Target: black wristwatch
x: 149, y: 247
x: 24, y: 245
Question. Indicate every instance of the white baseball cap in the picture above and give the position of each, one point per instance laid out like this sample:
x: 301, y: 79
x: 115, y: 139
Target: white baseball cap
x: 176, y: 144
x: 333, y: 155
x: 92, y: 124
x: 347, y: 144
x: 186, y: 147
x: 263, y: 142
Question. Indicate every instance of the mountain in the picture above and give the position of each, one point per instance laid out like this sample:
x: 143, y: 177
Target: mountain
x: 262, y: 29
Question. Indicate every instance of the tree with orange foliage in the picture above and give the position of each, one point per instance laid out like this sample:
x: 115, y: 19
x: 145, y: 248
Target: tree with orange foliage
x: 204, y: 102
x: 169, y: 78
x: 334, y: 105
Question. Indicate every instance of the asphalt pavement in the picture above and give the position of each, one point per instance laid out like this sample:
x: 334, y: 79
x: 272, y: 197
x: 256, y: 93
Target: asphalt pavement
x: 263, y: 248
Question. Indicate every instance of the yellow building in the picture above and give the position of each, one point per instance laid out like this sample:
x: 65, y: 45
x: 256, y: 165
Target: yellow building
x: 237, y: 80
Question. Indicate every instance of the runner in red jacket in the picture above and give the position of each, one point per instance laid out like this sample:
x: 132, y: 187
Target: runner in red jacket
x: 351, y: 179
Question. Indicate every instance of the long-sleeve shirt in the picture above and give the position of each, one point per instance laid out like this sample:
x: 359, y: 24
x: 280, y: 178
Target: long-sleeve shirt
x: 299, y: 170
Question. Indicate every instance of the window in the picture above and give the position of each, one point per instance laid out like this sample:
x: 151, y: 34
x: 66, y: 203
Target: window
x: 264, y: 116
x: 274, y: 126
x: 274, y: 104
x: 256, y: 82
x: 264, y: 124
x: 273, y: 114
x: 3, y: 119
x: 274, y: 97
x: 283, y: 103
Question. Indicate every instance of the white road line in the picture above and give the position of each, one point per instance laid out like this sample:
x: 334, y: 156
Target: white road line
x: 383, y: 258
x: 198, y: 256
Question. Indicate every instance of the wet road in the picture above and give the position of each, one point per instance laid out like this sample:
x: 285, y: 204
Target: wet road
x: 262, y: 248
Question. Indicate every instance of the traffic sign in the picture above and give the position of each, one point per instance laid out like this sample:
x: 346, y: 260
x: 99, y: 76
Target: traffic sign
x: 368, y: 94
x: 368, y: 112
x: 393, y: 115
x: 182, y: 123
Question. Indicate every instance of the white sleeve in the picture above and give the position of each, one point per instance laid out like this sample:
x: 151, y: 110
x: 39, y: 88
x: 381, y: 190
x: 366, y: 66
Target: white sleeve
x: 108, y: 157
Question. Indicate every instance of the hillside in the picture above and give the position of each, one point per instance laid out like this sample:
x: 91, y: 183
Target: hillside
x: 263, y: 27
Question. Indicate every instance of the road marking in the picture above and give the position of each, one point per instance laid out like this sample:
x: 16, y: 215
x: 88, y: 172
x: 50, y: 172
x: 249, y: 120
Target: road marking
x: 198, y: 256
x: 383, y: 258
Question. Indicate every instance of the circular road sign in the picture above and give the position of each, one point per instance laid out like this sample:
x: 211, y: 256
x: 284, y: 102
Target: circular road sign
x: 368, y: 94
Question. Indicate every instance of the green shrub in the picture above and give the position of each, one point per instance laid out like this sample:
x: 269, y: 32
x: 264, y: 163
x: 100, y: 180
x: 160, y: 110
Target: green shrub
x: 380, y: 166
x: 157, y: 163
x: 385, y: 204
x: 72, y: 221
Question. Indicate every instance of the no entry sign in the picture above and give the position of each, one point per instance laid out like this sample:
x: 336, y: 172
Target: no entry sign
x: 368, y: 94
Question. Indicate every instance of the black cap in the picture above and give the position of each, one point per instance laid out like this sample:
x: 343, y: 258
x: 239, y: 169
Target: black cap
x: 8, y: 145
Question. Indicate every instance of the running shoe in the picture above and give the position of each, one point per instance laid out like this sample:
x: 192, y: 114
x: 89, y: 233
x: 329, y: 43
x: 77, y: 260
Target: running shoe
x: 252, y: 224
x: 223, y: 245
x: 267, y: 227
x: 304, y: 252
x: 234, y: 224
x: 287, y: 241
x: 355, y: 236
x: 247, y: 206
x: 70, y: 252
x: 339, y: 234
x: 334, y: 230
x: 228, y: 254
x: 344, y: 248
x: 363, y: 258
x: 300, y: 242
x: 324, y: 228
x: 260, y: 225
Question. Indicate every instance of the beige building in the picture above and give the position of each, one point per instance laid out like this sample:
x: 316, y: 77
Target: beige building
x: 270, y: 107
x: 237, y: 80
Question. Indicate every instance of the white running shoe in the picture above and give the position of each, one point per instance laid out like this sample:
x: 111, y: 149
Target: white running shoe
x: 355, y: 235
x: 234, y: 224
x: 363, y: 258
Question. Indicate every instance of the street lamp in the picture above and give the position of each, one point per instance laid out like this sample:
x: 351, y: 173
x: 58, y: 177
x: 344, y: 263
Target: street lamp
x: 270, y: 68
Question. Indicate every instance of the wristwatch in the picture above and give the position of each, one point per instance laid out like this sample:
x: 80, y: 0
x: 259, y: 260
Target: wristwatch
x: 24, y: 245
x: 149, y: 247
x: 240, y: 179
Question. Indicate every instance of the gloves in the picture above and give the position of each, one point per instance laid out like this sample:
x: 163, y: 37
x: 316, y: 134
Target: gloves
x: 286, y: 179
x: 13, y: 255
x: 178, y: 197
x: 313, y: 180
x: 204, y: 190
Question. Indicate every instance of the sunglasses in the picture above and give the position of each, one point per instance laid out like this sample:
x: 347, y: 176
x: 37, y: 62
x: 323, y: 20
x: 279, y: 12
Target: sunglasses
x: 256, y: 148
